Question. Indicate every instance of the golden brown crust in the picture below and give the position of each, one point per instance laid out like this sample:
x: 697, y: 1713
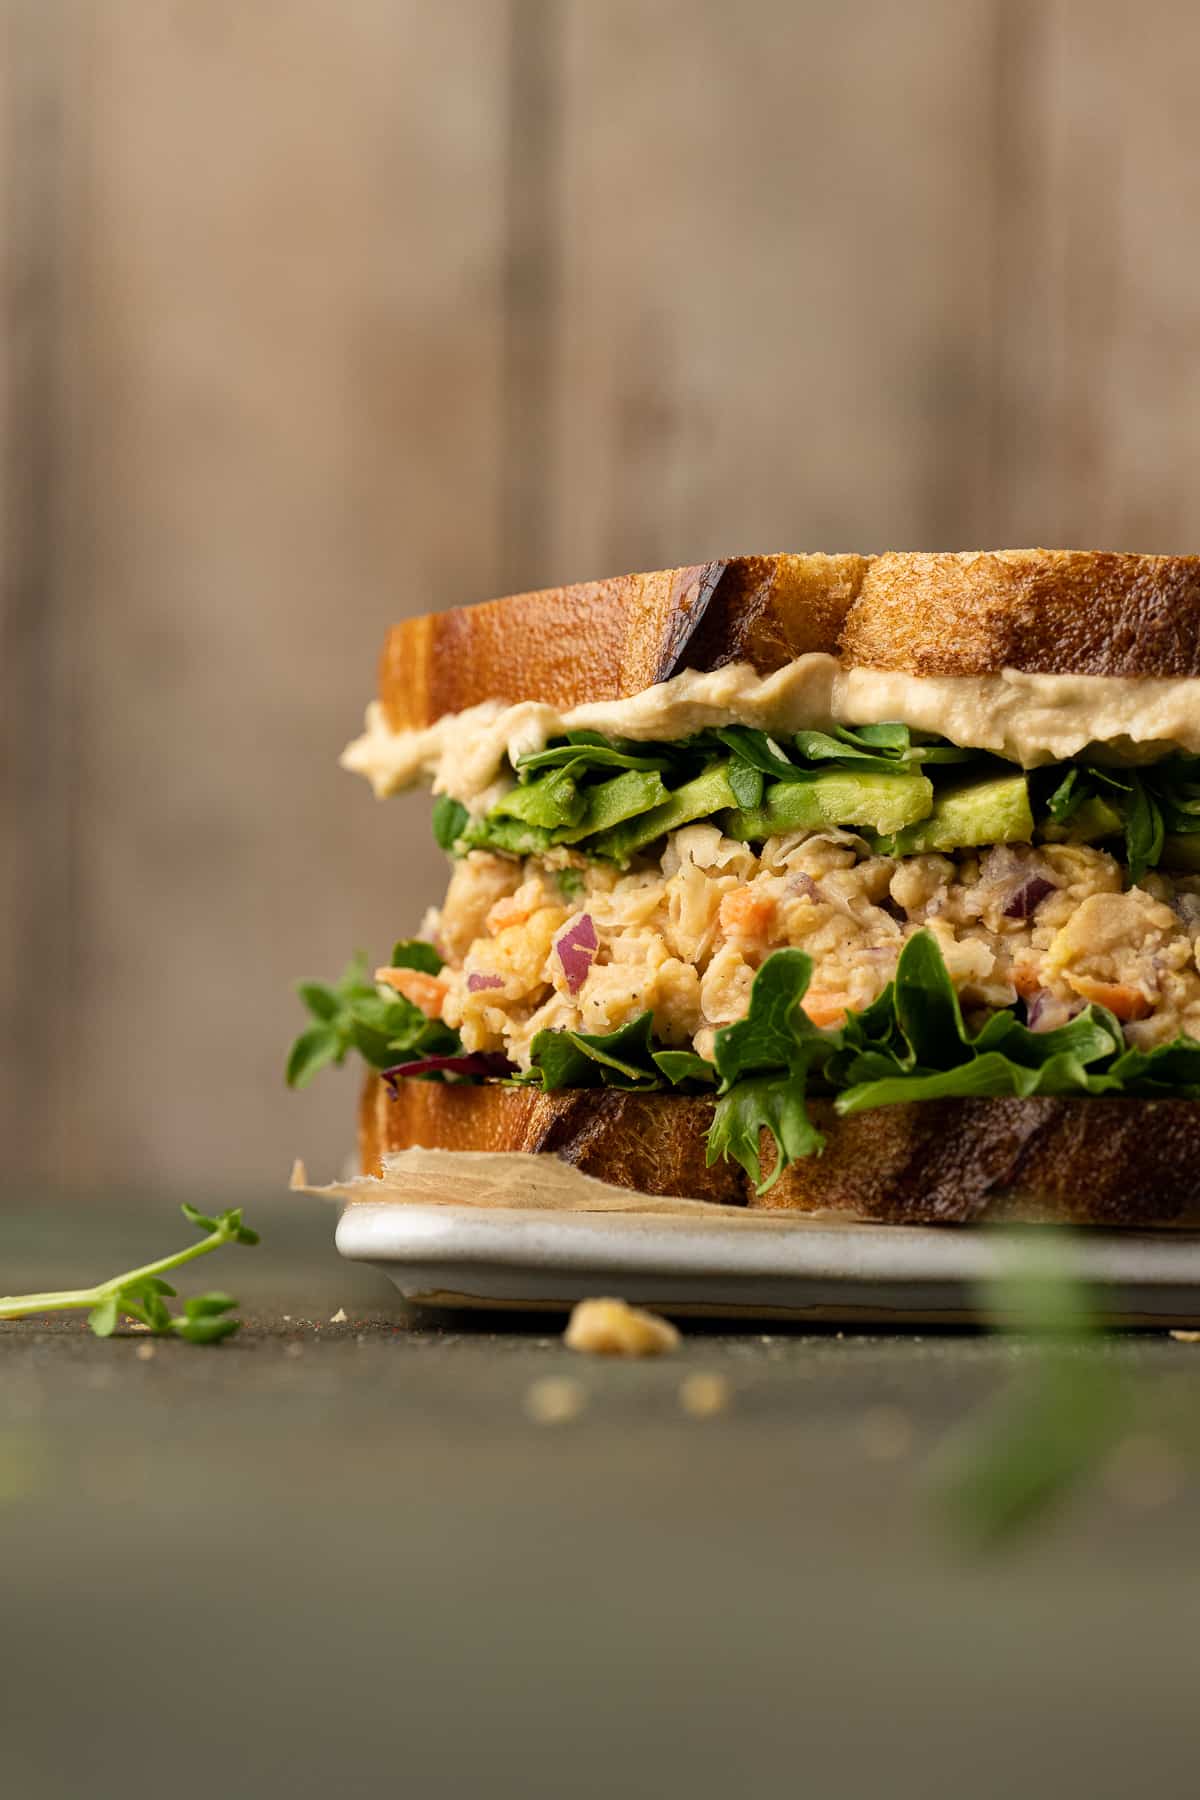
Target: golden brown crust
x: 1073, y: 612
x: 957, y: 613
x: 1096, y: 1162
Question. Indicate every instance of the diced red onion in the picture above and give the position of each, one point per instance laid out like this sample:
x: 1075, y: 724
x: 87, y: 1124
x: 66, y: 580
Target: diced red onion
x: 802, y: 883
x: 477, y: 983
x: 479, y: 1063
x: 1044, y: 1012
x: 1028, y: 897
x: 1001, y: 863
x: 576, y: 948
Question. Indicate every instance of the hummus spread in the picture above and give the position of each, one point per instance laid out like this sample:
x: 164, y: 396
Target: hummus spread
x: 1028, y: 718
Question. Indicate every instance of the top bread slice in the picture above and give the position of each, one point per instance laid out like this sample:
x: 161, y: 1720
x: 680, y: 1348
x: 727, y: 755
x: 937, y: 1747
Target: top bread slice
x: 1074, y: 612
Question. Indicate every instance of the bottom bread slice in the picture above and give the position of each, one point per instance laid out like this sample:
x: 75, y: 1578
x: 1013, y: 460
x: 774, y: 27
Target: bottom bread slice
x: 1075, y: 1161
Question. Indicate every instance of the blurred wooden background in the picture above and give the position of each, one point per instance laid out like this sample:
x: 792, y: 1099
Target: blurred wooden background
x: 317, y: 312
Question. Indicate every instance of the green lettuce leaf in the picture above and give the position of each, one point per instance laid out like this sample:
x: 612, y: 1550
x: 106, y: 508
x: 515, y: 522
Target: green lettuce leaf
x: 571, y: 1059
x: 684, y: 1065
x: 764, y: 1103
x: 588, y: 750
x: 354, y: 1014
x: 450, y: 819
x: 911, y: 1044
x: 764, y: 1062
x: 415, y: 953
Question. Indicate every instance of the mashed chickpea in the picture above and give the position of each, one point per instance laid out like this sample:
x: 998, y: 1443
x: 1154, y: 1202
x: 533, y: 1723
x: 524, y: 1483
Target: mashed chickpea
x: 683, y: 936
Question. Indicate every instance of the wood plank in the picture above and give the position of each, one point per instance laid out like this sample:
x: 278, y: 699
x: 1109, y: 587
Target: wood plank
x: 36, y: 898
x: 777, y: 279
x: 1123, y: 168
x: 290, y: 257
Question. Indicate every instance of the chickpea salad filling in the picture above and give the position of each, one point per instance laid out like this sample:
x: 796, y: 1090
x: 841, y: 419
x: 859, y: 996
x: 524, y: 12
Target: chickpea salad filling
x: 869, y: 913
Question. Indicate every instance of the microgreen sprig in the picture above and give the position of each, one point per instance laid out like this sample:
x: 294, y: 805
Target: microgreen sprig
x: 142, y: 1294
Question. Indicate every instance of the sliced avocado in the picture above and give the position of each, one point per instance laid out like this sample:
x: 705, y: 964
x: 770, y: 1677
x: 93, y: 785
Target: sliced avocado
x: 880, y: 802
x: 709, y: 793
x: 981, y: 812
x: 1181, y: 850
x: 550, y: 802
x: 612, y: 802
x: 511, y: 836
x: 1092, y: 820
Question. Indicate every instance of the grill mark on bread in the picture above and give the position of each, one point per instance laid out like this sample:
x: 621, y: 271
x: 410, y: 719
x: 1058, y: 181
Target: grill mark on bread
x: 1106, y: 1161
x: 692, y: 593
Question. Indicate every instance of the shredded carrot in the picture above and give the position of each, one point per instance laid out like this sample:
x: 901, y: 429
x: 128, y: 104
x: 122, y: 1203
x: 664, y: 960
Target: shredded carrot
x: 1025, y: 980
x: 826, y: 1010
x: 747, y: 914
x: 506, y: 912
x: 425, y: 991
x: 1123, y: 1001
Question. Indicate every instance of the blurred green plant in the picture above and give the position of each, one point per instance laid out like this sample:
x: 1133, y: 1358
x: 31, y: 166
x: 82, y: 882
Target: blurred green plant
x: 142, y: 1294
x: 1060, y: 1416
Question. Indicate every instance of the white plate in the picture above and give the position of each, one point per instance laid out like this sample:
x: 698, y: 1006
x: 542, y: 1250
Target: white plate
x: 755, y: 1268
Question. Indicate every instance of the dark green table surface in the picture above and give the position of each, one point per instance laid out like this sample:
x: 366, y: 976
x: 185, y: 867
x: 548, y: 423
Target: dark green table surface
x: 342, y: 1559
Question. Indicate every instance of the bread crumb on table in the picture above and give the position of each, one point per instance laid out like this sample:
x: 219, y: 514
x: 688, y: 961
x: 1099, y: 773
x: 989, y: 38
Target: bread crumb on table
x: 339, y: 1317
x: 555, y: 1400
x: 608, y: 1327
x: 1186, y: 1337
x: 703, y: 1394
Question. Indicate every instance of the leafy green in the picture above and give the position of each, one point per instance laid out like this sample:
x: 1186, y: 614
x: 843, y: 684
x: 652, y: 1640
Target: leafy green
x: 684, y: 1065
x: 621, y: 1058
x: 774, y: 1024
x: 1144, y: 831
x: 142, y: 1294
x: 624, y: 1058
x: 1175, y: 783
x: 587, y: 749
x: 911, y: 1044
x: 757, y: 751
x: 449, y: 821
x: 355, y: 1014
x: 1123, y: 800
x: 886, y: 746
x: 415, y: 953
x: 747, y: 784
x: 764, y: 1103
x: 764, y: 1062
x: 568, y: 794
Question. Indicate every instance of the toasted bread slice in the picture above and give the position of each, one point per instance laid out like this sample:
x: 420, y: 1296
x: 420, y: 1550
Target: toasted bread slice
x: 958, y: 613
x: 952, y: 1162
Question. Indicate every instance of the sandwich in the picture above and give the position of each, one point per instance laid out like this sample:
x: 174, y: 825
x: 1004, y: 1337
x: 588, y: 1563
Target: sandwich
x: 856, y: 885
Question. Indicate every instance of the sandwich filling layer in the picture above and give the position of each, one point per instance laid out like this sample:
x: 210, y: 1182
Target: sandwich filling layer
x: 723, y: 885
x: 1045, y: 929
